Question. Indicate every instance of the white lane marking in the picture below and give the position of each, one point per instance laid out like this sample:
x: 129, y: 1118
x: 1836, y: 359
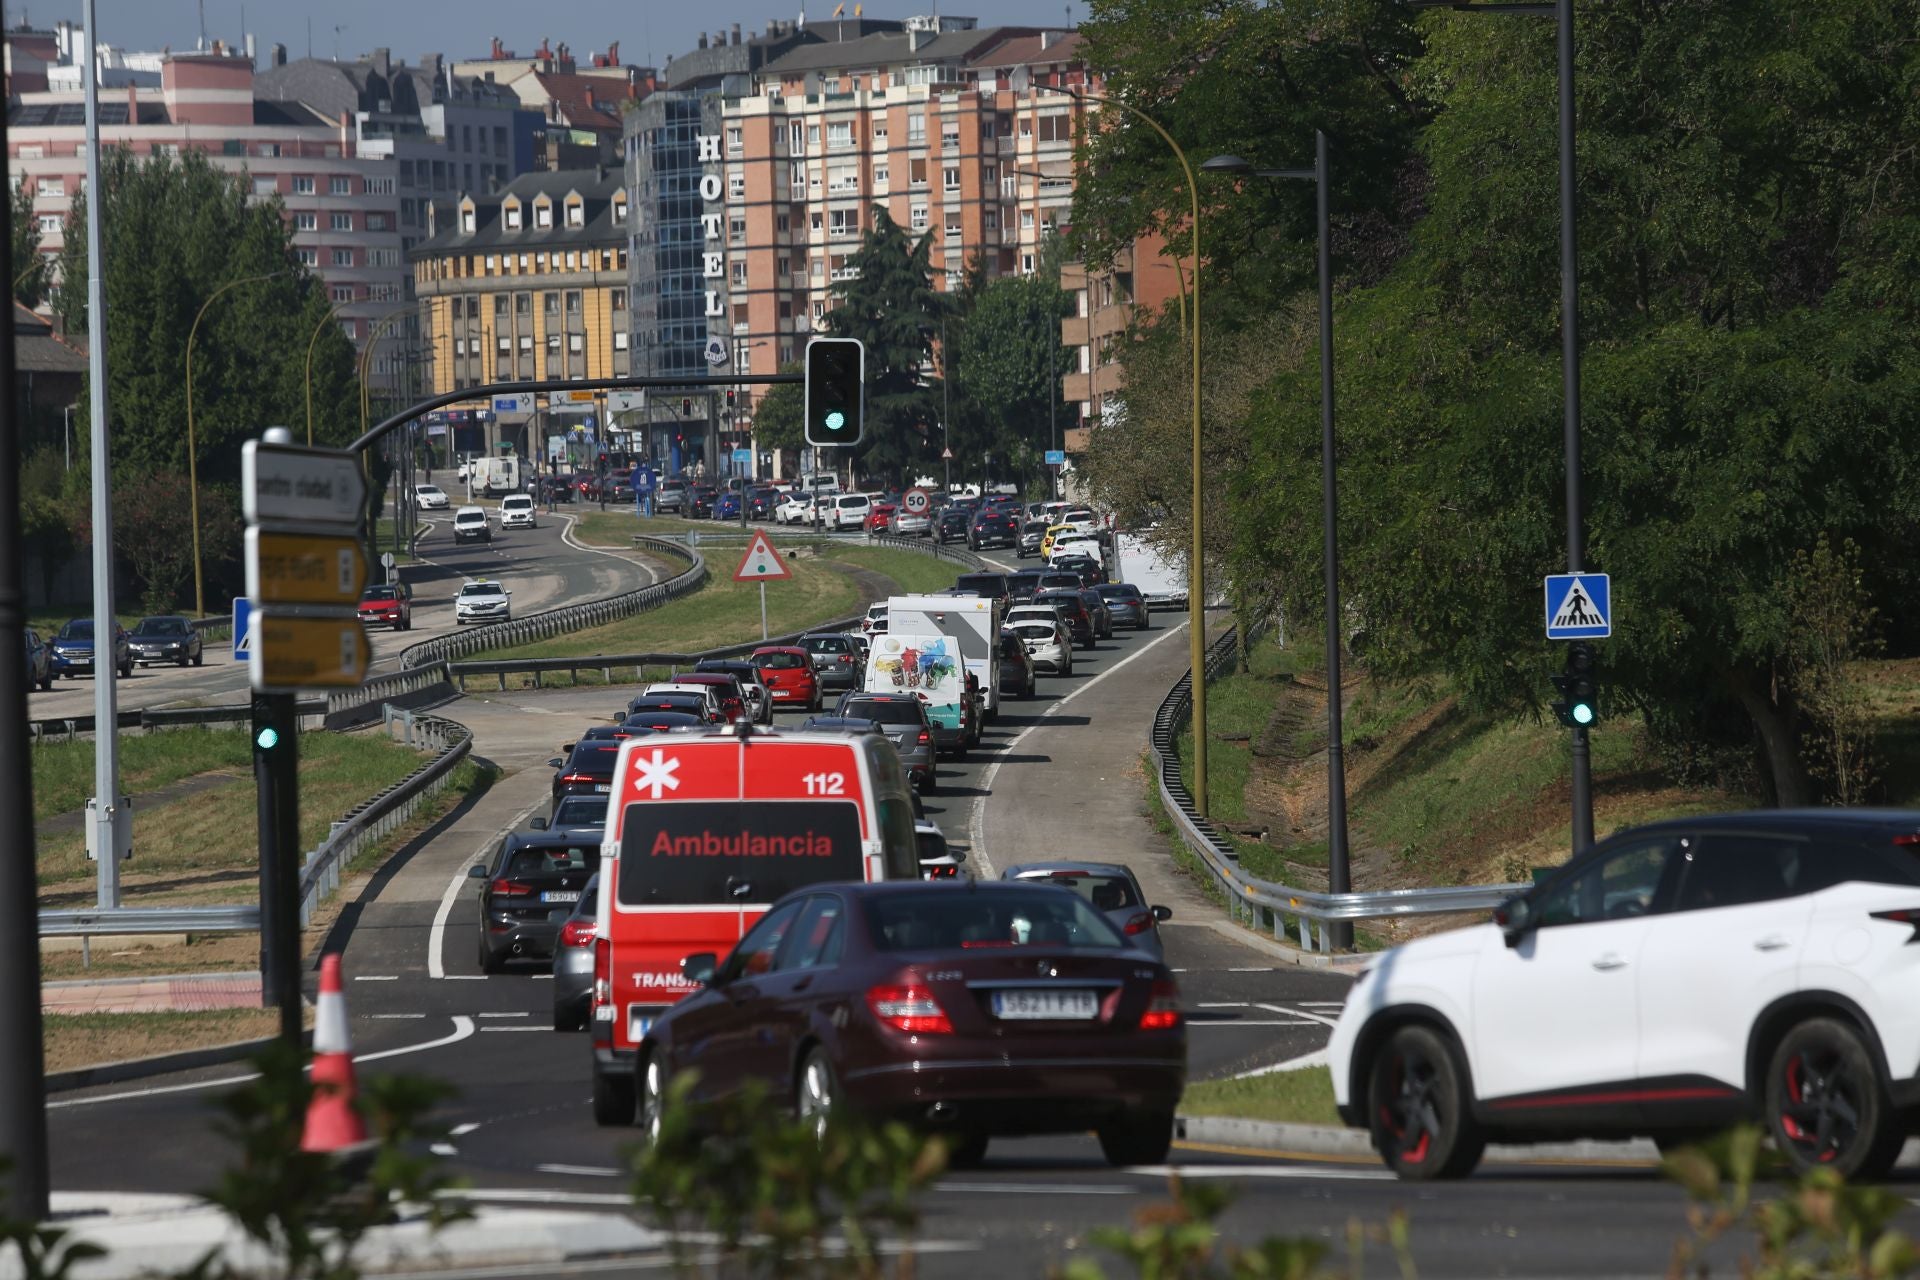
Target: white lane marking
x: 507, y: 1015
x: 977, y: 846
x: 1252, y: 969
x: 566, y: 536
x: 513, y: 1028
x: 464, y: 977
x: 396, y: 1017
x: 1320, y: 1018
x: 462, y: 1028
x: 436, y: 967
x: 376, y: 977
x: 1308, y: 1173
x: 462, y: 1130
x: 507, y: 1195
x: 1318, y: 1058
x: 1222, y: 1004
x: 1321, y: 1004
x: 579, y: 1170
x: 444, y: 1149
x: 1039, y: 1188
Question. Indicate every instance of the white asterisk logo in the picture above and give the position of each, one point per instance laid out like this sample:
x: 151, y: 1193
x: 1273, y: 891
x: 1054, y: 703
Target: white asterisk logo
x: 656, y: 775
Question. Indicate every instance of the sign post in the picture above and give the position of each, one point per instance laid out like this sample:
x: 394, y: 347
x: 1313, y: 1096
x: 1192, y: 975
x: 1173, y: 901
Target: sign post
x: 759, y: 564
x: 306, y: 568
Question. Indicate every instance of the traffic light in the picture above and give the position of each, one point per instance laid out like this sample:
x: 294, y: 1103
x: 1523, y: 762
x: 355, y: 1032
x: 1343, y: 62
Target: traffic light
x: 729, y: 398
x: 836, y: 391
x: 686, y: 406
x: 1576, y: 707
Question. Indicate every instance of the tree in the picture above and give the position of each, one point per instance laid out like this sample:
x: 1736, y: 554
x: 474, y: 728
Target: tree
x: 889, y: 303
x: 777, y: 418
x: 1007, y: 362
x: 29, y: 269
x: 154, y: 533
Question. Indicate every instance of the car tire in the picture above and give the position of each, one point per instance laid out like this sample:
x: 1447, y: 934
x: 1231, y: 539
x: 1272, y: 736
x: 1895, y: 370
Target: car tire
x: 489, y: 962
x: 816, y: 1091
x: 181, y: 661
x: 1420, y: 1109
x: 566, y: 1020
x: 1139, y: 1137
x: 126, y: 672
x: 199, y: 659
x: 613, y: 1101
x: 965, y: 1150
x: 1828, y: 1106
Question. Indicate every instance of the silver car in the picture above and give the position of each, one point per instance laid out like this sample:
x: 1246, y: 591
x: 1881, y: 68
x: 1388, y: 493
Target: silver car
x: 906, y: 524
x: 1108, y: 887
x: 573, y: 957
x: 1049, y: 646
x: 902, y: 721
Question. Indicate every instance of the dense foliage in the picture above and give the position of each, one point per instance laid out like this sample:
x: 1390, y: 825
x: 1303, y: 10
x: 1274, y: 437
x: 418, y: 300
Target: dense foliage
x: 1750, y: 228
x: 887, y: 300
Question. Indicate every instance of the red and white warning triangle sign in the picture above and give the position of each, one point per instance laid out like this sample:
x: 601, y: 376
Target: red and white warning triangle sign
x: 761, y: 562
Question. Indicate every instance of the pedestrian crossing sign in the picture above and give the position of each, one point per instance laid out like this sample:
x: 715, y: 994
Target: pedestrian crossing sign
x: 1579, y: 606
x: 761, y: 562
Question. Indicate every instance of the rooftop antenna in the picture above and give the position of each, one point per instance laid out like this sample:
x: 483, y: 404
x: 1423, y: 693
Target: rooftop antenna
x: 338, y: 28
x: 203, y: 24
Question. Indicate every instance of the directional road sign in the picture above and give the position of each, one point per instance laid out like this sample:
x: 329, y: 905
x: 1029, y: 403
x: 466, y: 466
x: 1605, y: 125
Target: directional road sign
x: 291, y: 653
x: 1056, y: 457
x: 1579, y: 606
x: 298, y: 568
x: 917, y: 501
x: 286, y: 483
x: 761, y: 562
x: 242, y: 629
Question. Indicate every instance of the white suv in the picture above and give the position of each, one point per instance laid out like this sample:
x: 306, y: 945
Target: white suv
x: 517, y: 511
x: 471, y: 522
x: 1671, y: 981
x: 845, y: 511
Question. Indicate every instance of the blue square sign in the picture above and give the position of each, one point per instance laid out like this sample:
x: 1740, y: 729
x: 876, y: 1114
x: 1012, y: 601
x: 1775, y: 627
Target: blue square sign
x: 242, y: 628
x: 1056, y: 457
x: 1579, y: 606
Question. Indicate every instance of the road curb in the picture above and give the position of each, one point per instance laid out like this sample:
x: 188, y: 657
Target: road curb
x: 159, y: 1064
x: 1326, y: 1140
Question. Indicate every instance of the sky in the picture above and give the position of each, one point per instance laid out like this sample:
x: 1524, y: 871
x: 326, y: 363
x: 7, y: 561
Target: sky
x: 648, y: 30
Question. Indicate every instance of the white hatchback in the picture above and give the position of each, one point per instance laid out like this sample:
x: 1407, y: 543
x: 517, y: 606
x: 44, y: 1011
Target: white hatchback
x: 430, y: 497
x: 1670, y: 982
x: 517, y: 511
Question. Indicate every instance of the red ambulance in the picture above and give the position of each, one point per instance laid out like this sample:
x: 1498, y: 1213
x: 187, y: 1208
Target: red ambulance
x: 705, y: 831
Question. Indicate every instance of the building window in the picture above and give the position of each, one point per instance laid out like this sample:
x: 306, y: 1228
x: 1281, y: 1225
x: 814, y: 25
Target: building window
x: 378, y: 186
x: 918, y: 218
x: 992, y: 219
x: 950, y: 178
x: 880, y: 179
x: 500, y: 309
x: 309, y: 257
x: 839, y: 133
x: 736, y: 142
x: 383, y: 257
x: 739, y: 274
x: 573, y: 302
x: 816, y: 269
x: 1056, y: 128
x: 576, y: 214
x: 49, y: 224
x: 950, y: 135
x: 339, y: 185
x: 618, y: 298
x: 302, y: 186
x: 813, y: 134
x: 522, y: 304
x: 49, y: 188
x: 265, y: 186
x: 844, y: 222
x: 953, y: 224
x: 916, y: 128
x: 1026, y: 264
x: 467, y: 218
x: 814, y: 220
x: 736, y: 186
x: 306, y: 222
x: 917, y: 173
x: 342, y: 293
x: 550, y: 303
x: 342, y: 257
x: 619, y: 211
x: 620, y: 340
x: 1026, y: 219
x: 843, y: 181
x: 542, y: 215
x: 575, y: 343
x: 340, y: 222
x: 512, y: 215
x: 736, y: 230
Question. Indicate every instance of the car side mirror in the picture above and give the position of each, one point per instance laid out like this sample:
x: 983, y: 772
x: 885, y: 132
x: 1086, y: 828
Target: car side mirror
x: 476, y: 872
x: 1515, y: 918
x: 1163, y: 913
x: 555, y: 763
x: 538, y: 824
x: 701, y: 967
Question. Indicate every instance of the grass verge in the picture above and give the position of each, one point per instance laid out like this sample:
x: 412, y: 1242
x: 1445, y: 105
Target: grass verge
x: 63, y: 771
x: 1291, y: 1097
x: 84, y: 1039
x: 912, y: 573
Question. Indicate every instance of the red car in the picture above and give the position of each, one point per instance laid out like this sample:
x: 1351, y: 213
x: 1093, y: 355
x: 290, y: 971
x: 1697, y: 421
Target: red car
x: 988, y: 1009
x: 787, y: 671
x: 878, y: 515
x: 388, y: 606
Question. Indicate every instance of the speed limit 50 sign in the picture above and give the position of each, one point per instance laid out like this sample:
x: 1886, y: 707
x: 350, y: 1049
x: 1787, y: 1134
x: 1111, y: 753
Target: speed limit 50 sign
x: 917, y: 501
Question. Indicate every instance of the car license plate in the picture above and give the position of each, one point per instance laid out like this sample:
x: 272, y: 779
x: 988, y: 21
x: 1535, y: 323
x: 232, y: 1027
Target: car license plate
x: 560, y: 895
x: 637, y: 1025
x: 603, y: 788
x: 1045, y: 1004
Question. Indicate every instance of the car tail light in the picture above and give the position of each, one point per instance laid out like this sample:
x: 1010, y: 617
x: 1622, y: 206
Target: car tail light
x: 577, y: 777
x: 1163, y: 1009
x: 603, y: 971
x: 1907, y: 841
x: 576, y: 933
x: 910, y: 1008
x: 925, y: 737
x: 1906, y: 915
x: 510, y: 888
x: 1139, y: 924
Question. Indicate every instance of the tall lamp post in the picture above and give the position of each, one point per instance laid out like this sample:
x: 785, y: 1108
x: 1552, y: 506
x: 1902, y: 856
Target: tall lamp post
x: 1339, y: 868
x: 313, y: 338
x: 193, y: 452
x: 1562, y: 10
x: 1196, y: 561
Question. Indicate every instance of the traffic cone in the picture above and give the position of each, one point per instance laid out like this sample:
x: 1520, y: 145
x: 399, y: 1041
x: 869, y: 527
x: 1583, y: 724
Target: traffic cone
x: 332, y: 1121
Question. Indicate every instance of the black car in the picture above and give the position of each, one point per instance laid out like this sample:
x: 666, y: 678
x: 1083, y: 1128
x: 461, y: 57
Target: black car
x: 1016, y: 667
x: 167, y: 638
x: 534, y: 883
x: 761, y: 502
x: 837, y: 660
x: 644, y: 721
x: 994, y: 528
x: 951, y: 524
x: 700, y: 501
x: 1090, y: 571
x: 991, y: 585
x: 1021, y: 584
x: 1073, y: 611
x: 39, y: 661
x: 587, y: 769
x: 1126, y: 604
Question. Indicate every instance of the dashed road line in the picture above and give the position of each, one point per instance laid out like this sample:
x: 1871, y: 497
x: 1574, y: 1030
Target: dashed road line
x: 580, y: 1170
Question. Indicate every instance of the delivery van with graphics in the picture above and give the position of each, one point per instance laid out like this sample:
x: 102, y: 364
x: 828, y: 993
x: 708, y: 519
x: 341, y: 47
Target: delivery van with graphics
x: 704, y: 832
x: 932, y: 668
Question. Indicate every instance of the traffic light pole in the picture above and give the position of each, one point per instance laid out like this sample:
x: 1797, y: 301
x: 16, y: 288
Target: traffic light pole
x: 276, y: 767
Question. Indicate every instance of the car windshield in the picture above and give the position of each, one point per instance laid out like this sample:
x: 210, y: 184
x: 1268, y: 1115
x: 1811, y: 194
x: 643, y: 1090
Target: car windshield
x: 373, y: 593
x: 824, y: 644
x: 593, y: 757
x: 1120, y: 591
x: 161, y: 627
x: 518, y: 500
x: 984, y: 584
x: 707, y: 852
x: 480, y: 589
x: 1035, y: 630
x: 581, y: 811
x: 945, y: 920
x: 552, y: 861
x: 884, y: 711
x: 1104, y: 892
x: 77, y: 630
x: 780, y: 661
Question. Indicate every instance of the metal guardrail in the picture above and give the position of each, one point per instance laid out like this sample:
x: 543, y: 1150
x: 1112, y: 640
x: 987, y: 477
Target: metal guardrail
x: 71, y: 727
x: 933, y: 547
x: 1262, y: 903
x: 122, y: 921
x: 215, y: 628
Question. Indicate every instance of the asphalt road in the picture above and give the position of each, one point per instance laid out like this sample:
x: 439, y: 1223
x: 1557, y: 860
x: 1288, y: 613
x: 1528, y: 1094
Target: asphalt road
x: 541, y: 568
x: 1055, y: 776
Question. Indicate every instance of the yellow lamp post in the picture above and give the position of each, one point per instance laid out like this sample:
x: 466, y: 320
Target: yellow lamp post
x: 331, y: 312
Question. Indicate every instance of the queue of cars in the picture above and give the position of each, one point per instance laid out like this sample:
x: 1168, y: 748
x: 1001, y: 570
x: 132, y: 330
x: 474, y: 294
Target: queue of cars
x: 702, y: 863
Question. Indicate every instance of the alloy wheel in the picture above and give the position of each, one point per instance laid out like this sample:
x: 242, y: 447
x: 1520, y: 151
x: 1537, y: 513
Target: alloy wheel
x: 815, y: 1103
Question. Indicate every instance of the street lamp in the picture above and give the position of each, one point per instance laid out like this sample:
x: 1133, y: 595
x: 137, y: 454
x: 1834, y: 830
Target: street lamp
x: 331, y: 312
x: 193, y: 459
x: 1196, y: 566
x: 1569, y: 347
x: 1339, y: 869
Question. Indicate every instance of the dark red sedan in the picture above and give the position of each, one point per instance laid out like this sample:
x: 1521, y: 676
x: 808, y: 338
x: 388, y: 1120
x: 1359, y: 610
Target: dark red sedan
x: 977, y: 1009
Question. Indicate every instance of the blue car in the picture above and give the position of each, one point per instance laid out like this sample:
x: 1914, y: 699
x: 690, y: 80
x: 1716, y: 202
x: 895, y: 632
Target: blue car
x: 727, y: 507
x: 73, y: 649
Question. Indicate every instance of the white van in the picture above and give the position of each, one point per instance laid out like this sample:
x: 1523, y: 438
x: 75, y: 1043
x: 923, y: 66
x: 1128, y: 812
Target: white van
x: 471, y: 522
x: 517, y: 512
x: 846, y: 511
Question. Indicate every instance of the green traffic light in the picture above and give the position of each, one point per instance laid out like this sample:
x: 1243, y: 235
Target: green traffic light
x: 836, y: 421
x: 268, y: 738
x: 1582, y: 713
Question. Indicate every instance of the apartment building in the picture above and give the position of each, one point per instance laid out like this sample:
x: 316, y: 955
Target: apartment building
x: 1143, y: 277
x: 580, y: 104
x: 528, y: 282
